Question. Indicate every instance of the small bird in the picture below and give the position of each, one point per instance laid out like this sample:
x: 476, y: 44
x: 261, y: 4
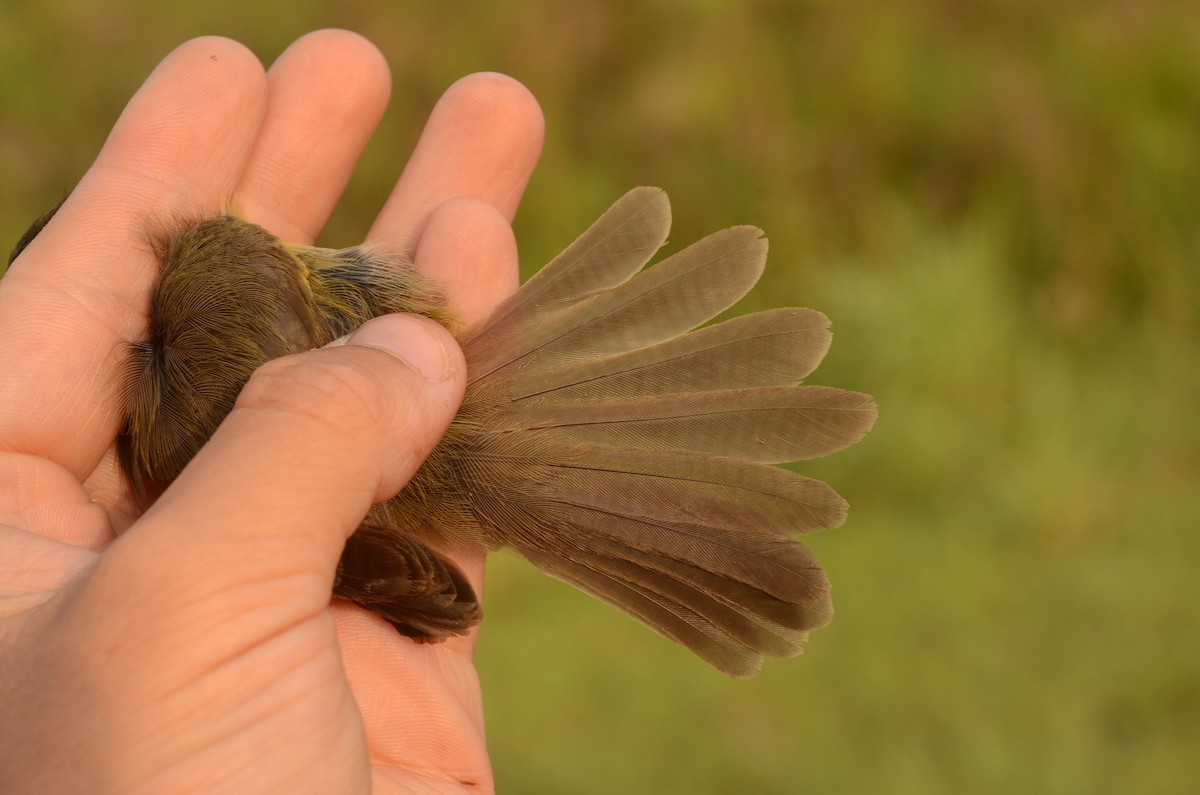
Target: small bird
x: 606, y: 435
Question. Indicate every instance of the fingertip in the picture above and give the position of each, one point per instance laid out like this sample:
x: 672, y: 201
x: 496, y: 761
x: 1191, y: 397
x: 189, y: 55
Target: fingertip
x: 203, y: 76
x: 335, y: 52
x: 428, y: 351
x: 205, y: 100
x: 357, y: 51
x: 417, y: 341
x: 343, y: 43
x: 495, y: 92
x: 482, y: 140
x: 468, y: 246
x: 512, y: 115
x: 328, y: 91
x: 215, y: 49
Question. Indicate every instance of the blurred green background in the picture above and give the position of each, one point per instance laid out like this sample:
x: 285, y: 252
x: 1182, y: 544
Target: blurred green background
x: 995, y: 202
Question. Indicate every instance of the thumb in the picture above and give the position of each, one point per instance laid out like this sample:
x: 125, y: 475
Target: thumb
x: 259, y: 517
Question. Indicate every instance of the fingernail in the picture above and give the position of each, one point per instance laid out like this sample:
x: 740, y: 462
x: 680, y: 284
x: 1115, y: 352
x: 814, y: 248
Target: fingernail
x: 410, y: 338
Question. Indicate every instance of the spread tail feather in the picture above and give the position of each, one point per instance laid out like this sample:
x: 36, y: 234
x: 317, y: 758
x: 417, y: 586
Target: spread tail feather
x: 635, y: 455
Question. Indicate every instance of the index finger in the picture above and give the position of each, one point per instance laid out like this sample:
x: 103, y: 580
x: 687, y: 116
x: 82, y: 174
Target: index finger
x: 80, y: 289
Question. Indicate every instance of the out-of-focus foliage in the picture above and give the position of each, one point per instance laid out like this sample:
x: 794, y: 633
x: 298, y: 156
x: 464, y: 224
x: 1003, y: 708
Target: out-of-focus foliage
x: 996, y: 202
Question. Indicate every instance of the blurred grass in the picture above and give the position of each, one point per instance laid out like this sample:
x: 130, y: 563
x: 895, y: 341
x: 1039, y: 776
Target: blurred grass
x: 996, y: 203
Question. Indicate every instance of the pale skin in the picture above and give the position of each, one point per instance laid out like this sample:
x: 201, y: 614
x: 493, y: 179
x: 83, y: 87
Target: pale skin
x: 195, y: 648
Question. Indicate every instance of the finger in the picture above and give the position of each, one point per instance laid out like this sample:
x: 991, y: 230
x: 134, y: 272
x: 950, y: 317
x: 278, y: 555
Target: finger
x: 80, y: 289
x: 41, y: 497
x: 328, y: 92
x: 481, y: 141
x: 256, y: 522
x: 468, y: 247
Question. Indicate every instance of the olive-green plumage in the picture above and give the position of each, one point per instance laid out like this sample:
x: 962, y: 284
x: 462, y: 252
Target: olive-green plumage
x: 600, y: 437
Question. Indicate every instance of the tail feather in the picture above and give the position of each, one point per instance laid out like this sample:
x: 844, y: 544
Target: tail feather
x: 657, y: 304
x: 696, y: 547
x: 702, y: 490
x: 776, y: 347
x: 611, y: 251
x: 660, y: 303
x: 727, y: 623
x: 616, y: 247
x: 775, y: 568
x: 672, y: 620
x: 637, y: 456
x: 770, y: 424
x: 758, y: 619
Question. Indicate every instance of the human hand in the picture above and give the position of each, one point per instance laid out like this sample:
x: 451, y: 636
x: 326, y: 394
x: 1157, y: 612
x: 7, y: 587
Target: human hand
x: 200, y: 650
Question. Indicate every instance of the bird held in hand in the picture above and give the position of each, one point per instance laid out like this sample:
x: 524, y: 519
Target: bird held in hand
x: 601, y: 436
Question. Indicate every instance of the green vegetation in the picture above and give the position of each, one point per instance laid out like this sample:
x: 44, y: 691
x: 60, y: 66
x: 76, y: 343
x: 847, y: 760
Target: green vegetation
x: 996, y: 203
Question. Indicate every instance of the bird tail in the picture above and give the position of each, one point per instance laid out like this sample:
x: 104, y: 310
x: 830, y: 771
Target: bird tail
x: 624, y: 452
